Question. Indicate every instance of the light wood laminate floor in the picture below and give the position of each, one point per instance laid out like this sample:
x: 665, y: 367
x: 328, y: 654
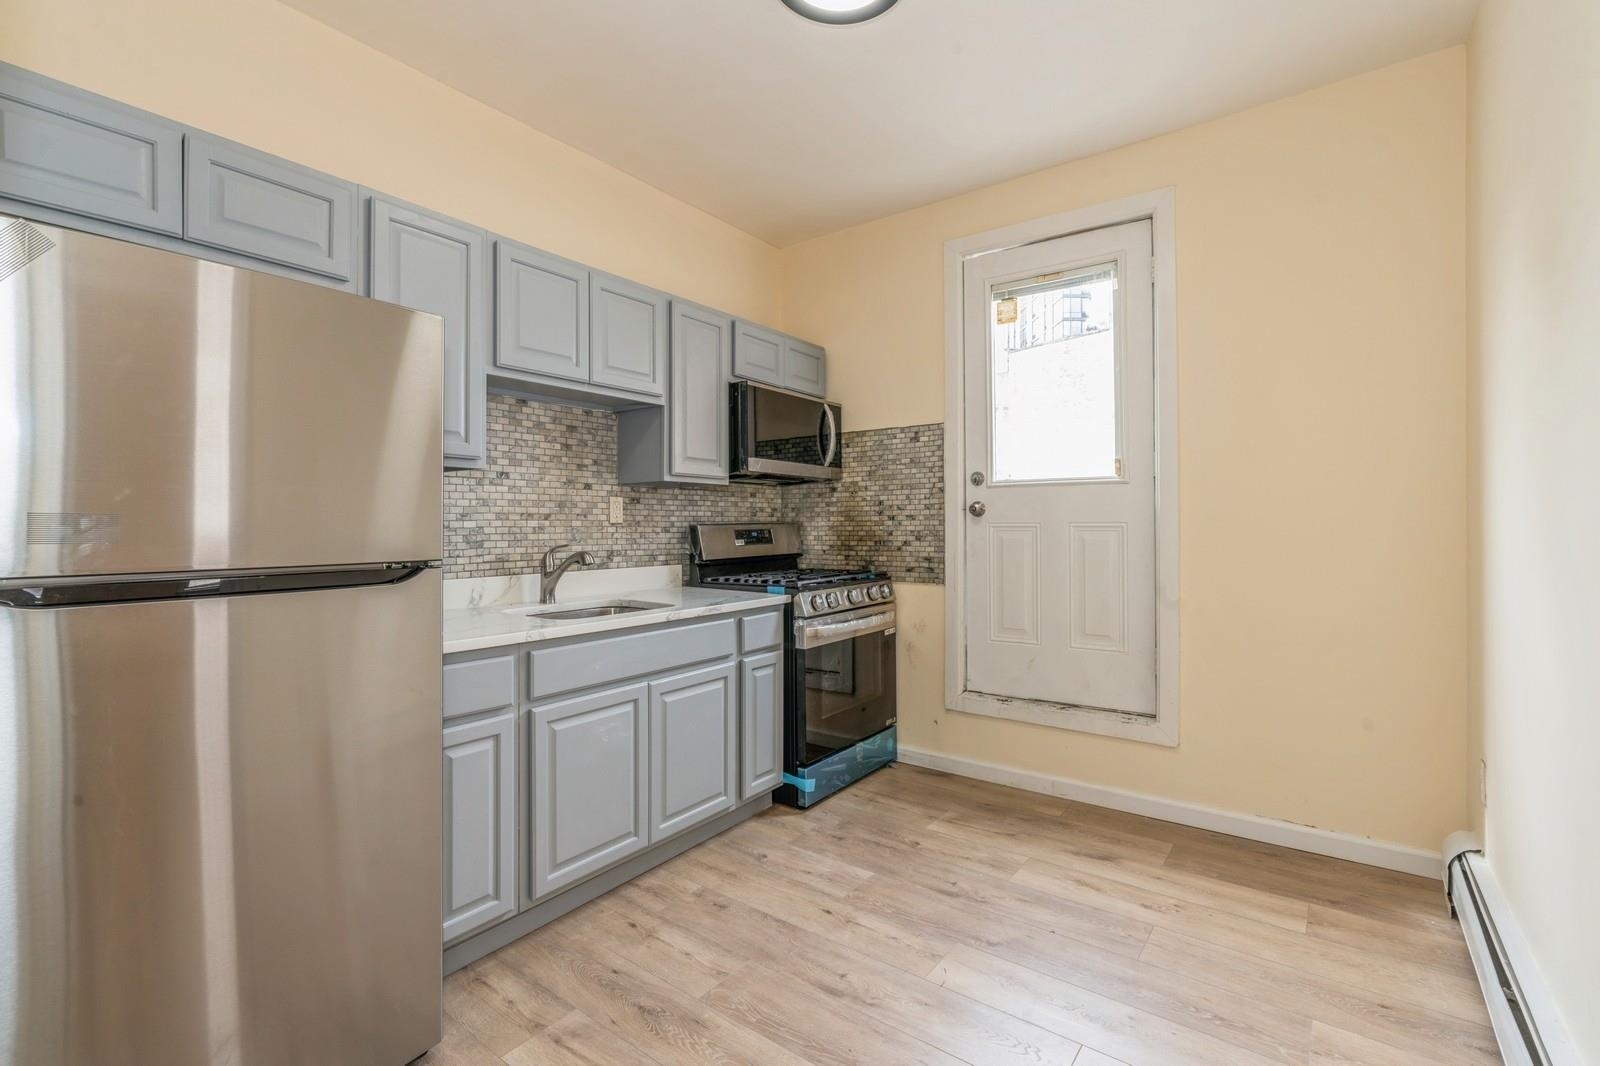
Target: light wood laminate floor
x: 923, y: 918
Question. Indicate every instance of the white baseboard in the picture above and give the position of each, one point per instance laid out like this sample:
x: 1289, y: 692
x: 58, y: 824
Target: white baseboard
x: 1365, y: 850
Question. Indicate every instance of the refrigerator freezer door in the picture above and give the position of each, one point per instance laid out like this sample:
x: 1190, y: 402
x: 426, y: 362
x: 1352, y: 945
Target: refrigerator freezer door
x: 163, y: 414
x: 219, y: 830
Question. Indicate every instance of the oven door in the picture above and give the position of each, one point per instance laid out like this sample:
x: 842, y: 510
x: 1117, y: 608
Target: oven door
x: 843, y: 682
x: 784, y: 436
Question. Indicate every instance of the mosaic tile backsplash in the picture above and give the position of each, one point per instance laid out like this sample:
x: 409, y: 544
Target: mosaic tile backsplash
x: 552, y: 472
x: 887, y: 510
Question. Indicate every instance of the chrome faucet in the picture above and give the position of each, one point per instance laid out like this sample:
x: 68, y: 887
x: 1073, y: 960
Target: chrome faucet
x: 550, y: 571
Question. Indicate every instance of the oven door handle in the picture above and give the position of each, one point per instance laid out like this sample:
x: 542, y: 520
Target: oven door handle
x: 814, y: 633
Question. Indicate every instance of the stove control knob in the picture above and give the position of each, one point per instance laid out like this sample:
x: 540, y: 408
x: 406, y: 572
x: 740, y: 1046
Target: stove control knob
x: 873, y: 593
x: 817, y: 602
x: 885, y: 591
x: 833, y: 599
x: 856, y: 596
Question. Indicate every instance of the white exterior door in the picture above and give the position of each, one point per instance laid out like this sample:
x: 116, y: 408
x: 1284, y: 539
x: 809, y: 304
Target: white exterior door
x: 1060, y: 478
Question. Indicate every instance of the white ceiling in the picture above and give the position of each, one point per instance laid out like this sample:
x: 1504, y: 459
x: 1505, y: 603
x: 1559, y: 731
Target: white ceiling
x: 788, y: 129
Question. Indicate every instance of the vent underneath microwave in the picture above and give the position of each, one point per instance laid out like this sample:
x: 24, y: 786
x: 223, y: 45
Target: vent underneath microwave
x: 73, y: 527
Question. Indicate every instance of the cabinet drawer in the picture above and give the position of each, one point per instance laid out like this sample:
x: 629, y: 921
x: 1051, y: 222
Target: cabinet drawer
x: 758, y: 632
x: 587, y: 663
x: 65, y: 148
x: 249, y: 202
x: 479, y: 685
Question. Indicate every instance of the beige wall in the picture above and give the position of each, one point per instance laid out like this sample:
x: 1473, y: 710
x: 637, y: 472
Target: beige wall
x: 1321, y: 319
x: 1320, y: 324
x: 1535, y: 167
x: 268, y: 76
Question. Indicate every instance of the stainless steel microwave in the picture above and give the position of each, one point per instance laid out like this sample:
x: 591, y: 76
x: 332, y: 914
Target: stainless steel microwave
x: 782, y: 436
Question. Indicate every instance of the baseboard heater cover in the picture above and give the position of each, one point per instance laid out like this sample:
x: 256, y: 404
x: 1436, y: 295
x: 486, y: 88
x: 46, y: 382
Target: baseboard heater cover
x: 1526, y: 1023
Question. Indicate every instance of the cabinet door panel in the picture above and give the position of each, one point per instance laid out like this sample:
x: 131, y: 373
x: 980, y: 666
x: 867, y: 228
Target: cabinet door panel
x: 588, y: 786
x: 480, y: 789
x: 541, y: 313
x: 65, y: 148
x: 255, y: 204
x: 430, y: 263
x: 760, y: 724
x: 697, y: 407
x: 628, y: 335
x: 757, y: 353
x: 693, y: 733
x: 804, y: 367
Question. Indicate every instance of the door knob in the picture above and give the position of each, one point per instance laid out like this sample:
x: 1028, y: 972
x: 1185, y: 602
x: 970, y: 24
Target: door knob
x: 976, y: 508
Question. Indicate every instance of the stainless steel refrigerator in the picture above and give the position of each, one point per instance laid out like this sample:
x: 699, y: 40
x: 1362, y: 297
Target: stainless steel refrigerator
x: 219, y: 664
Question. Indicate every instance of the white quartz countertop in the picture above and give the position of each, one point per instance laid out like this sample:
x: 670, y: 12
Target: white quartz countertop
x: 499, y: 624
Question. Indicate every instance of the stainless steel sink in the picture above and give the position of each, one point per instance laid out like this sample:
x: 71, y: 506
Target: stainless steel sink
x: 595, y: 612
x: 567, y: 612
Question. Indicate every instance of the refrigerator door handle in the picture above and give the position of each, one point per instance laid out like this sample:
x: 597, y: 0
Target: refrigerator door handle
x: 77, y: 592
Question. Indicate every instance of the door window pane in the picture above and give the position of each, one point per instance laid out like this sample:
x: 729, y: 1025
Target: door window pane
x: 1054, y: 366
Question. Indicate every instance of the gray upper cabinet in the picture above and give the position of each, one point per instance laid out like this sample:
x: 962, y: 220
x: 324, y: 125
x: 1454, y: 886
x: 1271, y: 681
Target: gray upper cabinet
x: 588, y: 784
x: 758, y: 353
x: 761, y: 354
x: 697, y: 411
x: 480, y: 801
x: 628, y: 335
x: 804, y: 367
x: 688, y: 439
x: 541, y: 313
x: 693, y: 748
x: 430, y: 263
x: 261, y: 206
x: 760, y: 724
x: 69, y: 149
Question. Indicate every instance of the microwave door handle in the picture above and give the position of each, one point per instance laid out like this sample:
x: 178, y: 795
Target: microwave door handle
x: 833, y: 435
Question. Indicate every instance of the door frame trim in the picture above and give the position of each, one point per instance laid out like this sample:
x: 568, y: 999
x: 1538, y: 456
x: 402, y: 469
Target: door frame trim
x: 1158, y: 207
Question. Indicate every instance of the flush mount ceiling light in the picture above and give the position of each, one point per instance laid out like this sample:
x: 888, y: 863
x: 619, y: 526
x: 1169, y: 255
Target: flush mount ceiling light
x: 839, y: 12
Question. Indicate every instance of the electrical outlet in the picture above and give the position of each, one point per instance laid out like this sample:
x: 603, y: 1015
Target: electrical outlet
x: 616, y: 510
x: 1483, y: 783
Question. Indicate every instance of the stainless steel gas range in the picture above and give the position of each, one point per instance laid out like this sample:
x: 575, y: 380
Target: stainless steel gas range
x: 839, y: 686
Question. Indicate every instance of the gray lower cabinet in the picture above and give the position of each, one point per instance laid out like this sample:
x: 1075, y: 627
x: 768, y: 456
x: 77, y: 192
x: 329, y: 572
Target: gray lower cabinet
x: 687, y: 440
x: 627, y: 335
x: 431, y: 263
x: 588, y: 784
x: 480, y: 846
x: 804, y: 367
x: 694, y: 754
x: 760, y: 724
x: 258, y: 205
x: 631, y: 746
x: 758, y: 353
x: 68, y: 149
x: 541, y: 314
